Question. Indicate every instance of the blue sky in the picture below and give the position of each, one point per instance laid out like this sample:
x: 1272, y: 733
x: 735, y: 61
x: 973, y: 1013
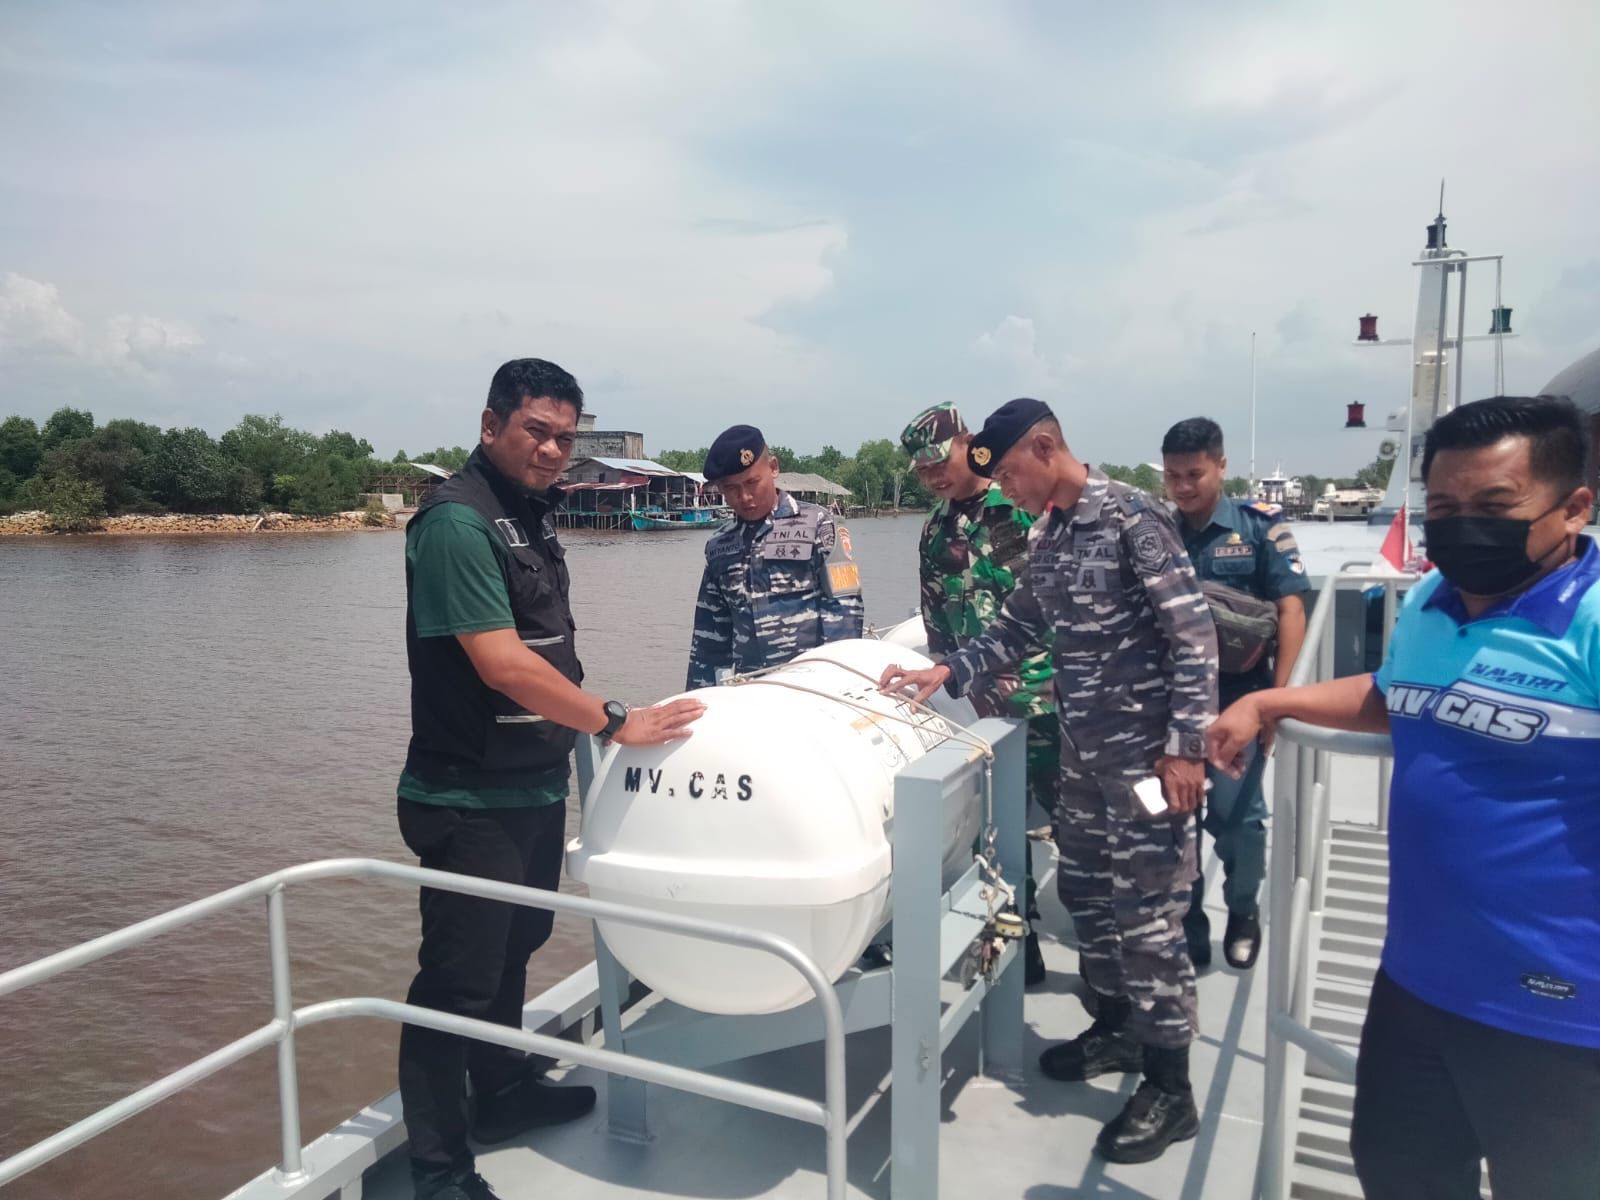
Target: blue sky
x: 817, y: 218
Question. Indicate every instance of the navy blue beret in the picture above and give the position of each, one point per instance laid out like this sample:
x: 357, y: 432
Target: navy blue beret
x: 735, y: 450
x: 1003, y: 430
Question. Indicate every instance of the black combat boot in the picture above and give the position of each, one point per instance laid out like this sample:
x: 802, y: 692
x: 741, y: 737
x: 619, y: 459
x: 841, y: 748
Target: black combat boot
x: 1101, y: 1049
x: 1161, y: 1112
x: 1033, y: 971
x: 1242, y: 942
x: 470, y: 1186
x: 1087, y: 996
x: 1197, y: 926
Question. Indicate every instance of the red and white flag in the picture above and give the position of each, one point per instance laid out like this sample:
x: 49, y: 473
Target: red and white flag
x: 1397, y: 542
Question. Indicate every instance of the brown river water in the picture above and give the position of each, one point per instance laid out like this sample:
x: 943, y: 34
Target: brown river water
x: 178, y: 715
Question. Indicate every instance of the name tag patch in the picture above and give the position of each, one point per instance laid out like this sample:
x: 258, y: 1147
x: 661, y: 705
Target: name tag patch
x: 1242, y: 550
x: 1090, y: 579
x: 1550, y: 988
x: 511, y: 529
x: 789, y: 540
x: 1093, y: 548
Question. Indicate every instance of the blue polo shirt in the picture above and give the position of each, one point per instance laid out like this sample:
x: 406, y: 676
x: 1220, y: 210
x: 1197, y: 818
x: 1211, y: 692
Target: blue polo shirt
x: 1494, y: 827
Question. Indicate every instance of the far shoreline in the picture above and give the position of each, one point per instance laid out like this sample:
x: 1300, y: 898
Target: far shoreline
x: 37, y: 524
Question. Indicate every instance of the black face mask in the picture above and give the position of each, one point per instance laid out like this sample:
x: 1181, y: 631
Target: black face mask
x: 1485, y: 556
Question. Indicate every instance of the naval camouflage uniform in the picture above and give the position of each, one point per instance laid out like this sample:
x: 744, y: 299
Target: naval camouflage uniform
x: 1135, y: 658
x: 773, y: 589
x: 972, y: 555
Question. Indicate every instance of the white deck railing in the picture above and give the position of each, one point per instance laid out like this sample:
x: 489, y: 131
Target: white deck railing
x: 1298, y: 874
x: 280, y: 1031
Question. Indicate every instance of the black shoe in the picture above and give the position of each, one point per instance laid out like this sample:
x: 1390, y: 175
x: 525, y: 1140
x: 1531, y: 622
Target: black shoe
x: 1102, y: 1049
x: 1242, y: 941
x: 1087, y: 996
x: 528, y: 1104
x: 1033, y: 971
x: 876, y: 956
x: 471, y: 1186
x: 1150, y: 1122
x: 1197, y: 933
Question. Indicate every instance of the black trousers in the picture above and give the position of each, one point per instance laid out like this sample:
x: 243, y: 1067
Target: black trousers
x: 1436, y: 1093
x: 474, y: 963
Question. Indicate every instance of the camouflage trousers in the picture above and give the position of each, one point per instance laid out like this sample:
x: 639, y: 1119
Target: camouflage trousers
x: 1044, y: 761
x: 1125, y: 879
x: 1044, y: 776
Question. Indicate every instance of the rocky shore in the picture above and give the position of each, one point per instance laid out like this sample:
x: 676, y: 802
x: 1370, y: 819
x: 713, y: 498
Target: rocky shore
x: 37, y: 524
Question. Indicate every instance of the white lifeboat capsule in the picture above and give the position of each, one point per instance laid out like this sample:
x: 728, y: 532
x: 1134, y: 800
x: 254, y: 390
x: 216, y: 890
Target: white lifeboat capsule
x: 773, y: 816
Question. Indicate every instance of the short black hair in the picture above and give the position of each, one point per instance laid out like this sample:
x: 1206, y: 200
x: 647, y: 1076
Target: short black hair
x: 1553, y: 425
x: 1197, y: 435
x: 528, y: 379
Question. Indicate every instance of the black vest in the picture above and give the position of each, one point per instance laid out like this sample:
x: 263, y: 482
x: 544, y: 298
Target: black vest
x: 463, y: 732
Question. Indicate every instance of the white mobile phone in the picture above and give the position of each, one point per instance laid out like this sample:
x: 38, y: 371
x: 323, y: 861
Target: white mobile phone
x: 1148, y: 792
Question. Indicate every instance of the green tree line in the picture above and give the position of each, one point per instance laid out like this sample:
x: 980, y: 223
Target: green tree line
x: 1147, y: 478
x: 879, y: 474
x: 79, y: 471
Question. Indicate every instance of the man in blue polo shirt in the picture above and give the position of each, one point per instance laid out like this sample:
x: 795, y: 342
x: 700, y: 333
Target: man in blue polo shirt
x: 1482, y: 1038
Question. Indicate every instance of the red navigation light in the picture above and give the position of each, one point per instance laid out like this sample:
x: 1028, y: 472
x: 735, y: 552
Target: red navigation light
x: 1369, y: 328
x: 1355, y: 415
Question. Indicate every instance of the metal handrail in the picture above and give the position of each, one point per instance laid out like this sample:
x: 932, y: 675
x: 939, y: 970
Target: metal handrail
x: 1297, y: 871
x: 831, y: 1114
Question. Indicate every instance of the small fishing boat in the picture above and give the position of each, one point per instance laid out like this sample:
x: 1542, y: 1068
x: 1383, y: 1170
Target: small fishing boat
x: 688, y: 518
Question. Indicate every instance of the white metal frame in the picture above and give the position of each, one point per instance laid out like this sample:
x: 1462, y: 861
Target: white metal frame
x: 286, y: 1020
x: 1297, y: 875
x: 933, y: 927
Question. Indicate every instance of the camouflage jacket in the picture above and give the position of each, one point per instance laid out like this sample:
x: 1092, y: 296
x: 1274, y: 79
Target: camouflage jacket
x: 1135, y: 650
x: 971, y: 557
x: 772, y: 589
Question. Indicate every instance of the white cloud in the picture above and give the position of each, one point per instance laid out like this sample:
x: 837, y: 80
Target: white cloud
x: 727, y: 209
x: 1013, y: 346
x: 32, y: 316
x: 145, y: 345
x: 53, y: 356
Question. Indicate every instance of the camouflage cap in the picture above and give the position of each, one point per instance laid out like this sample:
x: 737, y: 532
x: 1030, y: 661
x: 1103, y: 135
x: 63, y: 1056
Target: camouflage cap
x: 927, y: 439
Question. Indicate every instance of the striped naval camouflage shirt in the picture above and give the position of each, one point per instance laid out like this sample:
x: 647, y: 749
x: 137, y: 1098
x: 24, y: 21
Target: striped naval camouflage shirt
x: 1135, y: 650
x: 773, y: 589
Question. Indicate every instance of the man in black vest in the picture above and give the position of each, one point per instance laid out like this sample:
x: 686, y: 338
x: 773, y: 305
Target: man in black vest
x: 495, y: 708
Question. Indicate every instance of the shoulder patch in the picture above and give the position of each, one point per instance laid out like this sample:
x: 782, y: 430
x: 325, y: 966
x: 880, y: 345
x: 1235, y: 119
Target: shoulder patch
x: 1129, y: 498
x: 1148, y: 551
x: 844, y: 579
x: 1263, y: 508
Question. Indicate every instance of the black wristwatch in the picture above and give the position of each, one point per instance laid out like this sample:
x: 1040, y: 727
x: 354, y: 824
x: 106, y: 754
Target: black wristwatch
x: 616, y: 713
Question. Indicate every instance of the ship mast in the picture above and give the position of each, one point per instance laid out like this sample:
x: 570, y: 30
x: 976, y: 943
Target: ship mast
x: 1432, y: 343
x: 1252, y: 414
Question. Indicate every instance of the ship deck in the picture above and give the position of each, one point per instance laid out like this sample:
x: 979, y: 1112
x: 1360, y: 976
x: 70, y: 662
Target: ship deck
x: 1031, y: 1139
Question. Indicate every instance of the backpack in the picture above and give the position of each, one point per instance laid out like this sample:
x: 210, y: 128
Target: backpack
x: 1247, y: 627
